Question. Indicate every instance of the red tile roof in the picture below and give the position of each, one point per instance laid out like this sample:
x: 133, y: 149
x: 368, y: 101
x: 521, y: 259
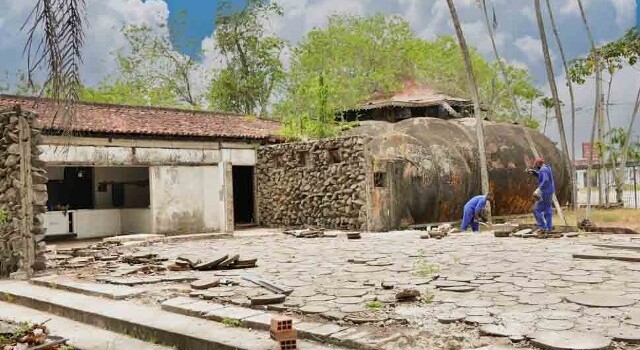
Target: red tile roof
x: 131, y: 120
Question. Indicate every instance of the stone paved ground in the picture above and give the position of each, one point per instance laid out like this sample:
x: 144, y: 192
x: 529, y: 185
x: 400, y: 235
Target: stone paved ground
x: 502, y: 286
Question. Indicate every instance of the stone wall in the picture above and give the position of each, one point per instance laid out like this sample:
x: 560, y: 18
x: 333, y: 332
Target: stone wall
x: 313, y: 184
x: 23, y: 194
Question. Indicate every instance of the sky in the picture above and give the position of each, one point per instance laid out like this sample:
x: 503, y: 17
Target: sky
x: 516, y: 36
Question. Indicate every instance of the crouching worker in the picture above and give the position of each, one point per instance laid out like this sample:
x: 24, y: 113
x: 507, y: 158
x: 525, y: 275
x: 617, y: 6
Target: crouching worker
x: 473, y: 212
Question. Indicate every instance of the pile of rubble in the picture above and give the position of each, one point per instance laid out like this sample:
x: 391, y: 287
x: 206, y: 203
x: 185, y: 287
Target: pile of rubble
x: 224, y: 262
x: 514, y: 230
x: 439, y: 232
x: 28, y: 337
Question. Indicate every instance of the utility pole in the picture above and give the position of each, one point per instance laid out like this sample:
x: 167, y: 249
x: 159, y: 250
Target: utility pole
x: 602, y: 176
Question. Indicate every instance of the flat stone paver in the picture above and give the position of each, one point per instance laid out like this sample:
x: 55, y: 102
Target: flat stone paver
x: 568, y: 340
x: 600, y: 300
x: 523, y: 285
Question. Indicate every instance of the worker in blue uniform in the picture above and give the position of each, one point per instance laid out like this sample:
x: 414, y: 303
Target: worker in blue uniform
x: 472, y: 212
x: 543, y: 209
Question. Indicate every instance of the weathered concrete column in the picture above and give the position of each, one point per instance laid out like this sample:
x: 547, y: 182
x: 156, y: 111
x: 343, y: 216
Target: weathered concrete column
x: 225, y: 171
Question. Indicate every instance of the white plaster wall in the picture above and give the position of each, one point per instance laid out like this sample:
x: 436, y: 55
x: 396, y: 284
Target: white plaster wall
x: 134, y: 196
x: 243, y: 157
x: 185, y: 199
x: 56, y: 223
x: 136, y: 220
x: 92, y: 223
x: 109, y: 156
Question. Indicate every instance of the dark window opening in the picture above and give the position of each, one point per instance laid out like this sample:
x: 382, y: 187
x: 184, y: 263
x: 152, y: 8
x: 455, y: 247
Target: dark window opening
x: 243, y: 195
x: 335, y: 156
x: 73, y: 191
x: 379, y: 179
x: 304, y: 160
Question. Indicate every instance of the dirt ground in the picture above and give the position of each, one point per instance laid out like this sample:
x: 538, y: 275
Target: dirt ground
x: 628, y: 218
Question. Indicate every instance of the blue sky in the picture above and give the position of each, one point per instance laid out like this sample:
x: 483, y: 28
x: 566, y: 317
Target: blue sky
x: 196, y: 21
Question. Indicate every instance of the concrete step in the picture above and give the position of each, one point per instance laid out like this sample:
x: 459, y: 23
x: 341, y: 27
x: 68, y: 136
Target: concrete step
x: 96, y: 289
x: 81, y: 336
x: 143, y: 322
x: 350, y: 337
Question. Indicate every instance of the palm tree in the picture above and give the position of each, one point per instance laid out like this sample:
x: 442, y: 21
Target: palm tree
x: 574, y: 198
x: 484, y: 173
x: 55, y: 39
x: 597, y: 109
x: 552, y: 83
x: 547, y: 103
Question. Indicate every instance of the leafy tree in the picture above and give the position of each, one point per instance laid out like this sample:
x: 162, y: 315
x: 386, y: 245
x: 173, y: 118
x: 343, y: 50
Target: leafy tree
x: 150, y: 72
x: 252, y: 56
x: 612, y: 57
x: 361, y: 57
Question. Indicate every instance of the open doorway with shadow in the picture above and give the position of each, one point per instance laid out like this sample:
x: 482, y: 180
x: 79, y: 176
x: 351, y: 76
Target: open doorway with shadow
x: 243, y: 196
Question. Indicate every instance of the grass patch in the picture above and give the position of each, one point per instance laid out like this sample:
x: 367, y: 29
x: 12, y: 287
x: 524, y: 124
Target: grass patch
x: 231, y: 322
x: 374, y: 305
x: 428, y: 297
x: 425, y: 269
x: 629, y: 218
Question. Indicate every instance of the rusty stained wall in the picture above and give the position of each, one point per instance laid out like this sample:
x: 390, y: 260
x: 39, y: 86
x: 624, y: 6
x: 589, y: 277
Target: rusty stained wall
x: 432, y: 169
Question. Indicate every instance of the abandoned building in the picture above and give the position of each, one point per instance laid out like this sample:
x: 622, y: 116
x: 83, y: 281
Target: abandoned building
x: 382, y: 175
x: 147, y: 170
x: 155, y: 170
x: 413, y: 101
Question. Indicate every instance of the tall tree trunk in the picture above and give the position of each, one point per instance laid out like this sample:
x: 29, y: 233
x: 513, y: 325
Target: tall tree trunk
x: 503, y: 69
x: 556, y: 35
x: 597, y: 105
x: 625, y: 150
x: 611, y: 158
x: 484, y: 173
x: 554, y: 88
x: 546, y: 119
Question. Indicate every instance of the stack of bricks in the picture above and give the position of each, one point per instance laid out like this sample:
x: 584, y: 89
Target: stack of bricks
x: 283, y: 332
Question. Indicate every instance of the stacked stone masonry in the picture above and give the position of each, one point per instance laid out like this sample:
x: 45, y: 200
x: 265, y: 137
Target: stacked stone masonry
x: 23, y: 194
x: 313, y: 184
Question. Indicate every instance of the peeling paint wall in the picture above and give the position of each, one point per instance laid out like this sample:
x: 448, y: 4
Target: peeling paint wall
x: 185, y: 199
x: 110, y: 156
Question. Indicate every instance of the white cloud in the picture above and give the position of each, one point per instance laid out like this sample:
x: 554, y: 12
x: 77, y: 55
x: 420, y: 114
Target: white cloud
x: 104, y: 18
x: 625, y: 12
x: 623, y: 93
x: 530, y: 46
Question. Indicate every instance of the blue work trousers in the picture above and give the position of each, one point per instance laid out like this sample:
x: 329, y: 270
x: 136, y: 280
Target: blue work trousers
x: 468, y: 220
x: 543, y: 212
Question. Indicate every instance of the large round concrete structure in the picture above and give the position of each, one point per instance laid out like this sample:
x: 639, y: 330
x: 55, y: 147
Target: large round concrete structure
x: 436, y: 167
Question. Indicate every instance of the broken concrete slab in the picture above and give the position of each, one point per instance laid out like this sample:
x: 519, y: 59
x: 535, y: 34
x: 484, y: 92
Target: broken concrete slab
x: 210, y: 264
x: 96, y: 289
x: 268, y: 299
x: 231, y: 312
x: 608, y: 256
x: 133, y: 238
x: 205, y: 283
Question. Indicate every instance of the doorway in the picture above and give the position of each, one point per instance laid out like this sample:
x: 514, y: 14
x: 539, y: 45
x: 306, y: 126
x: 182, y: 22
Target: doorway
x: 243, y: 196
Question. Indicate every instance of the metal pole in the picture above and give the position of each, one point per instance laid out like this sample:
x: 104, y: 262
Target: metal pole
x: 635, y: 189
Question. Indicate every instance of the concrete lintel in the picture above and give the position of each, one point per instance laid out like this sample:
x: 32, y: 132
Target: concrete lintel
x: 106, y: 142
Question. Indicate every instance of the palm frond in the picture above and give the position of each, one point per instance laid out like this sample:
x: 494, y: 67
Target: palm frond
x: 55, y: 39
